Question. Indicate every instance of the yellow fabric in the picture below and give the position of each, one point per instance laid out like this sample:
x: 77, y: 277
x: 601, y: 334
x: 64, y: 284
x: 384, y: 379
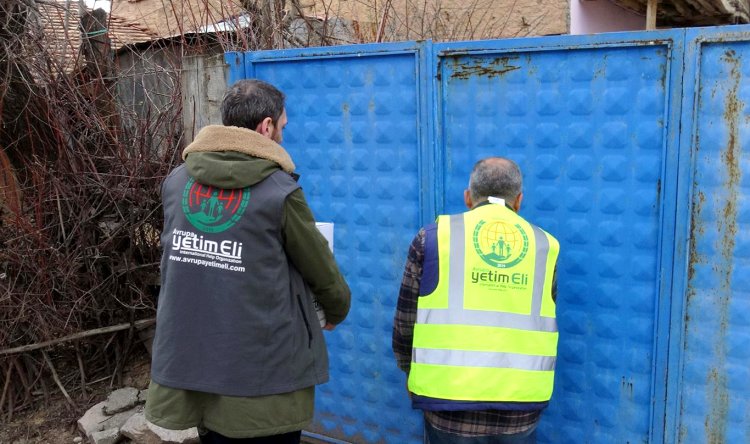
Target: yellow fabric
x: 489, y: 296
x: 490, y: 339
x: 460, y: 383
x: 499, y: 267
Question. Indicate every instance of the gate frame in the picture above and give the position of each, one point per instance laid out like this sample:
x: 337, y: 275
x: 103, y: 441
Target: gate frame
x: 674, y: 41
x: 695, y: 39
x: 676, y: 192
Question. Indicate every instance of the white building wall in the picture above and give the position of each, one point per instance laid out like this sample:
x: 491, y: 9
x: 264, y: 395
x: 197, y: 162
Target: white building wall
x: 593, y: 16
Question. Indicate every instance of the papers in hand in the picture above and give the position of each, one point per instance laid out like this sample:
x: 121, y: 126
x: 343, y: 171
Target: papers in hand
x: 326, y: 229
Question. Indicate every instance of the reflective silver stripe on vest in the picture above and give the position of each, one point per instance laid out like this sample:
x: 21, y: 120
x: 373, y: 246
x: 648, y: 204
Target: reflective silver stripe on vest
x: 487, y: 319
x: 540, y: 270
x: 456, y: 315
x: 457, y: 262
x: 463, y: 358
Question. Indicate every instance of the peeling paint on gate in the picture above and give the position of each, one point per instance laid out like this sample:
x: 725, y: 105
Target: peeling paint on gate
x: 718, y: 395
x: 478, y: 67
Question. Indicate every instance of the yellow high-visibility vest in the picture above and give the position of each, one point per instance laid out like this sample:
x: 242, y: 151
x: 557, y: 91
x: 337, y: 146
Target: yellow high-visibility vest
x: 488, y: 331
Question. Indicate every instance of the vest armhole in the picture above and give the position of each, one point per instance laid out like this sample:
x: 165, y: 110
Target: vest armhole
x: 431, y: 262
x: 284, y: 181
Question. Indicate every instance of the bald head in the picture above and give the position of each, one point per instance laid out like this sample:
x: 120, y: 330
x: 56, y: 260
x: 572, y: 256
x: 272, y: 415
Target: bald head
x: 497, y: 177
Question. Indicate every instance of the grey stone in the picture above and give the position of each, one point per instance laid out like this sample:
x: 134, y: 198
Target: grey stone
x: 95, y: 420
x: 140, y: 431
x: 92, y: 420
x: 109, y: 436
x: 121, y: 400
x: 77, y: 439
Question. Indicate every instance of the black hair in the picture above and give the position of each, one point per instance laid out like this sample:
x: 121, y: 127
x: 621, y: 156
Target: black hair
x: 249, y: 101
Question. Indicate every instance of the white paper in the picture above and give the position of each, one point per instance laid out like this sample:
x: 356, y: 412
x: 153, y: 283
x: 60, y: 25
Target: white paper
x: 326, y: 229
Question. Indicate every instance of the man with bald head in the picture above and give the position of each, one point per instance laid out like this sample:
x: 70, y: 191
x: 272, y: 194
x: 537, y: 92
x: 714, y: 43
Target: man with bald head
x: 475, y: 328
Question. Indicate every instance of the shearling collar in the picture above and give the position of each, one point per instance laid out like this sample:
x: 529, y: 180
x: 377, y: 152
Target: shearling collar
x: 215, y: 138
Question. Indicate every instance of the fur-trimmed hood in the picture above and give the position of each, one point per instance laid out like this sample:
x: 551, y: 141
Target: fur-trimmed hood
x: 219, y: 138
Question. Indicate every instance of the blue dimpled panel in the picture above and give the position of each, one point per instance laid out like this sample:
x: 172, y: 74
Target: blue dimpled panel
x: 715, y: 386
x: 587, y: 128
x: 353, y: 133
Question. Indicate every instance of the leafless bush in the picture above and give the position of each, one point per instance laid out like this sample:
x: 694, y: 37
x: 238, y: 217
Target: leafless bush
x: 80, y: 206
x: 86, y: 139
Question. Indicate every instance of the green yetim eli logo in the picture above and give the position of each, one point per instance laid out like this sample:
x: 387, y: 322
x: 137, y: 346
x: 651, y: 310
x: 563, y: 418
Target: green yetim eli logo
x: 211, y: 209
x: 500, y: 244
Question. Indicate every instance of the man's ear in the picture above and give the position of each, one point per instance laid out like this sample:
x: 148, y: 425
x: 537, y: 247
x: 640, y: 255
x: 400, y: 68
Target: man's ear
x: 265, y: 127
x: 467, y: 199
x: 517, y: 203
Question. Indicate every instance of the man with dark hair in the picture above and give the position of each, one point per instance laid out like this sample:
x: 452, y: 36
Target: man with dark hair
x: 475, y: 326
x: 238, y: 348
x: 248, y: 103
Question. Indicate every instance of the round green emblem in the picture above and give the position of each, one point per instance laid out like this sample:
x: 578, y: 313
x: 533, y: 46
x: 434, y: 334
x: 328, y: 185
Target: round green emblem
x: 211, y: 209
x: 500, y: 244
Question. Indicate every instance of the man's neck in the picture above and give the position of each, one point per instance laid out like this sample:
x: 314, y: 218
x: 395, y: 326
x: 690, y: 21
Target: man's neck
x: 487, y: 202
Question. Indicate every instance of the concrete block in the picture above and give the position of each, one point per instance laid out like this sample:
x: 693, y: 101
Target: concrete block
x: 140, y: 431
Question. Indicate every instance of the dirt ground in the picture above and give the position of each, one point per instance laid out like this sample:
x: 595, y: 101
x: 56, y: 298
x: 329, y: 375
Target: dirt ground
x: 54, y: 422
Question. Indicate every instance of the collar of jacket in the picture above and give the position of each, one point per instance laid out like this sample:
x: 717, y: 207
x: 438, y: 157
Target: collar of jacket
x: 487, y: 202
x: 217, y: 138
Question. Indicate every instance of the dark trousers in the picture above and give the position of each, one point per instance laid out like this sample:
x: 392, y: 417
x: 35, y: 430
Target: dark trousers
x: 287, y: 438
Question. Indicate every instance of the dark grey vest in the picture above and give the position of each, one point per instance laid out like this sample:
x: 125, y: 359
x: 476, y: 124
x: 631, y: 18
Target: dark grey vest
x: 234, y: 315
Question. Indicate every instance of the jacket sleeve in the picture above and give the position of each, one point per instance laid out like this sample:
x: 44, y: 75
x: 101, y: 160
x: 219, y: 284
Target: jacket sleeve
x: 406, y: 308
x: 309, y: 252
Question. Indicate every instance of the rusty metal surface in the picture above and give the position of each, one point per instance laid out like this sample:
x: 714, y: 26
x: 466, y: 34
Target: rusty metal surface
x: 715, y: 382
x: 479, y: 67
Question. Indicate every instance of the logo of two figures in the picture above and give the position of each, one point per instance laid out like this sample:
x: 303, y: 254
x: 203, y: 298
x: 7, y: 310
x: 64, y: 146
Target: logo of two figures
x: 212, y: 208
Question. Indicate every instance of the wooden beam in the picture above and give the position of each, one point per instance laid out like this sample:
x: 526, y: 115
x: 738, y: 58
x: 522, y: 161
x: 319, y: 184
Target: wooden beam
x: 651, y: 14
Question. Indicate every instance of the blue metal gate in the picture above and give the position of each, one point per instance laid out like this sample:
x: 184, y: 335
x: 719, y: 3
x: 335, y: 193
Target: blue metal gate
x: 710, y: 396
x: 645, y: 196
x: 358, y: 128
x: 588, y: 123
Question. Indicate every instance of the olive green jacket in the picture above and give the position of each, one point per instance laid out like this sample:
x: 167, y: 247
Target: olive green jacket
x: 219, y: 157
